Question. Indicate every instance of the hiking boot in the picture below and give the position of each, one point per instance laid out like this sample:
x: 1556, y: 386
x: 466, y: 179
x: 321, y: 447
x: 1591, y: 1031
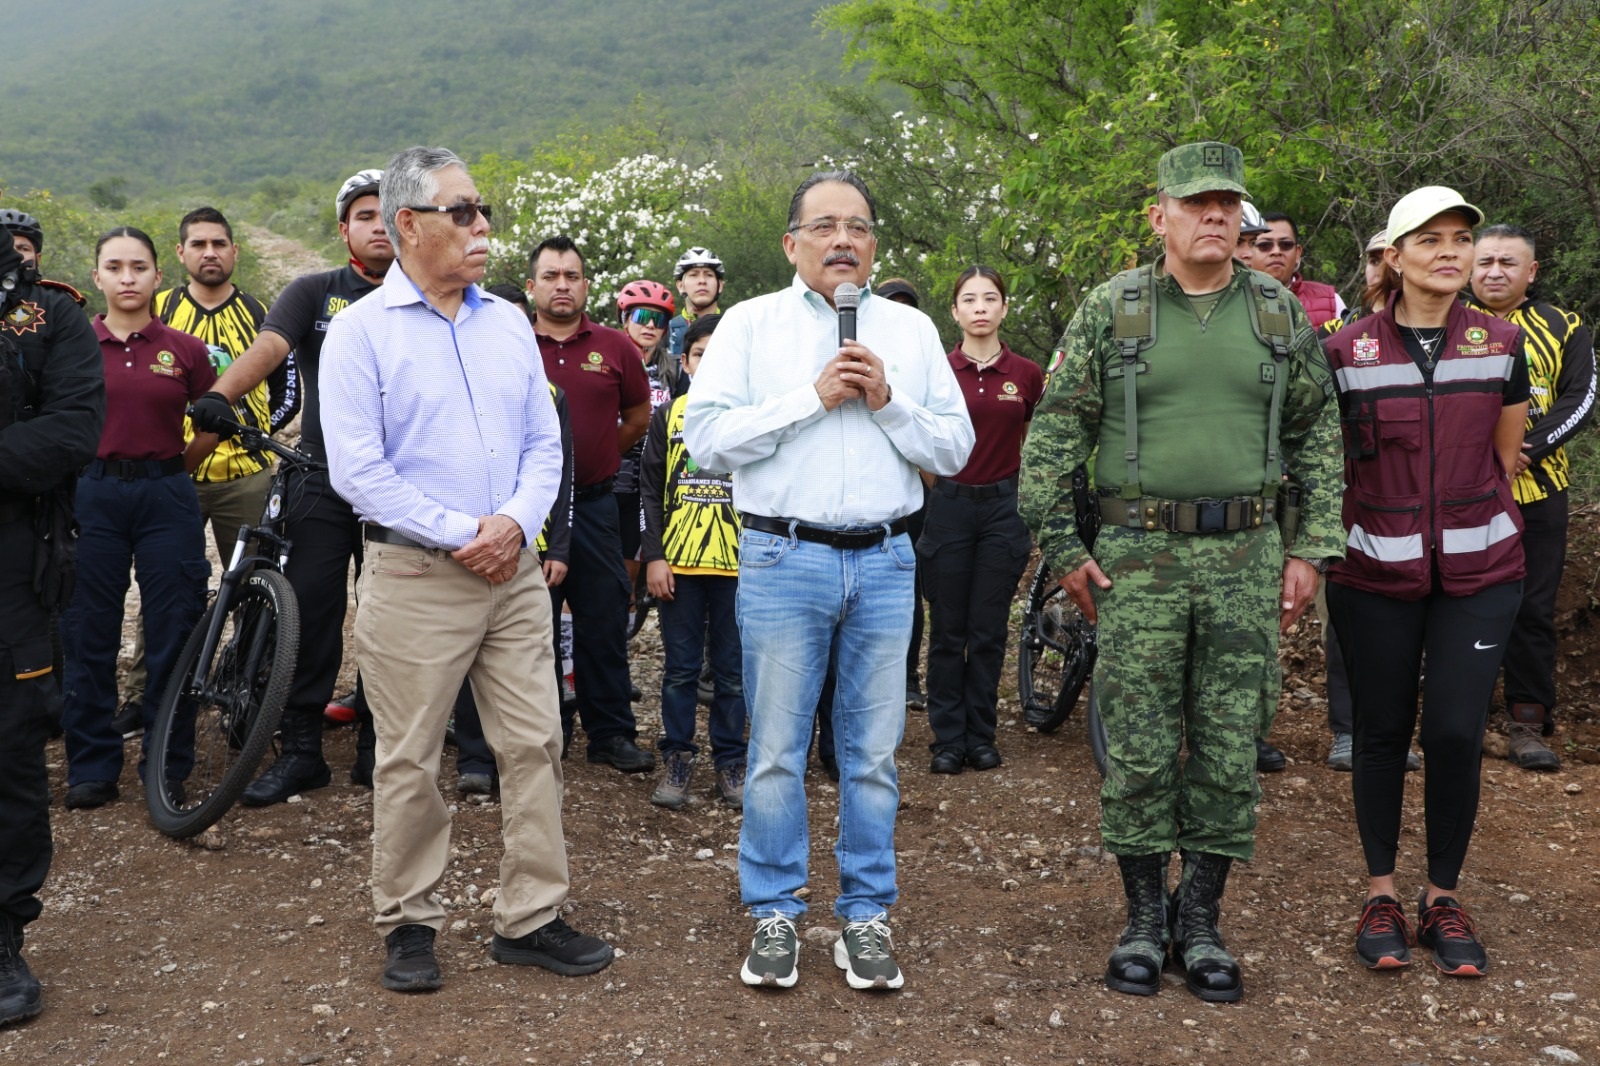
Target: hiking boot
x: 865, y: 952
x: 730, y: 784
x: 1445, y: 929
x: 623, y: 754
x: 774, y: 959
x: 128, y: 722
x: 1525, y: 738
x: 1135, y: 966
x: 299, y: 767
x: 1210, y: 971
x: 473, y: 784
x: 984, y: 757
x: 557, y: 947
x: 1341, y: 756
x: 20, y: 994
x: 1269, y: 760
x: 1383, y: 936
x: 672, y: 791
x: 411, y: 966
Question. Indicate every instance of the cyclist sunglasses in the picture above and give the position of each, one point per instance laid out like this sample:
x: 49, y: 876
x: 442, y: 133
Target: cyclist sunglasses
x: 648, y: 316
x: 1284, y: 244
x: 461, y: 214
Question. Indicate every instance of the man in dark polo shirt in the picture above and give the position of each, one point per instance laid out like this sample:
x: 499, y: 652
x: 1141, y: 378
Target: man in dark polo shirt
x: 608, y: 403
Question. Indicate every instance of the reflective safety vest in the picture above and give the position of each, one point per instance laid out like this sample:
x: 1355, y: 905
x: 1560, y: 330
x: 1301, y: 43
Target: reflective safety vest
x: 1424, y: 486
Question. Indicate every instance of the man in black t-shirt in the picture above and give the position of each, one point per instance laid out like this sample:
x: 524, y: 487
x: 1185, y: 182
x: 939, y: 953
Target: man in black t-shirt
x: 326, y: 534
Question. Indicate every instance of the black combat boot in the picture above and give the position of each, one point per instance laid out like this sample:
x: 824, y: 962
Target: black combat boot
x: 1211, y: 972
x: 1135, y: 967
x: 20, y: 994
x: 300, y: 766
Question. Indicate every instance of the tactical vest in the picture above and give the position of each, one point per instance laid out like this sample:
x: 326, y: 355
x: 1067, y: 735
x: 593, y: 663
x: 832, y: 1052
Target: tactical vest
x: 1135, y: 329
x: 1424, y: 487
x: 700, y: 528
x: 1320, y: 300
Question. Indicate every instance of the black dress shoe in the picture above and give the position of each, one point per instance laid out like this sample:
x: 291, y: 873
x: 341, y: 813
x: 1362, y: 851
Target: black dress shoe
x: 947, y: 762
x: 412, y: 966
x: 1269, y: 760
x: 292, y: 774
x: 984, y: 757
x: 622, y: 754
x: 86, y: 795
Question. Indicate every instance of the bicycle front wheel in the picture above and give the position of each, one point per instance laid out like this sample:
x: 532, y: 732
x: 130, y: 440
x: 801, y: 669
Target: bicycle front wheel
x: 209, y: 737
x: 1056, y: 655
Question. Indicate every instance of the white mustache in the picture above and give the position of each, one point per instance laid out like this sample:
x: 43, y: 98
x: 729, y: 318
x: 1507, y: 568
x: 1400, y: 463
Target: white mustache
x: 842, y: 257
x: 478, y: 246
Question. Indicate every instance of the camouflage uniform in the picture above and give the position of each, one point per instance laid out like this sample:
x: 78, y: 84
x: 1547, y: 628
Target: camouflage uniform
x: 1189, y: 630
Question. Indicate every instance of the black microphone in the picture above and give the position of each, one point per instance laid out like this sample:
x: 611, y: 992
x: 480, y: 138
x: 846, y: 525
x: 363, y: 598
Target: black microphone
x: 846, y: 298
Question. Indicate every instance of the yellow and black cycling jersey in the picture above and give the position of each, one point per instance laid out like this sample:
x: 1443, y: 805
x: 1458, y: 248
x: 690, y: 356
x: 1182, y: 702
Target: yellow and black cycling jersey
x: 1561, y: 380
x: 227, y: 330
x: 689, y: 517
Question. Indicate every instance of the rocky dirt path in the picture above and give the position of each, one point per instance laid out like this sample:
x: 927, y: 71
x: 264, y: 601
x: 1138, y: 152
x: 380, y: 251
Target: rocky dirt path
x: 282, y: 258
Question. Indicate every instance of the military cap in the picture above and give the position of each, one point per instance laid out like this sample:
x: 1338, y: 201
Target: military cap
x: 1207, y: 166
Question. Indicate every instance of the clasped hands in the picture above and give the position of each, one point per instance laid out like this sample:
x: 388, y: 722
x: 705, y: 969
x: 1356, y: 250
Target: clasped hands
x: 855, y: 373
x: 494, y: 553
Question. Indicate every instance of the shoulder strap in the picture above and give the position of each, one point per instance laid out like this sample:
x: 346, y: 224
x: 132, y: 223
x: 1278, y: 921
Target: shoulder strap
x: 1273, y: 326
x: 1133, y: 328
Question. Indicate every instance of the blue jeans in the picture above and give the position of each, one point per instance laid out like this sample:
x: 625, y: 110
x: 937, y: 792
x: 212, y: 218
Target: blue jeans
x: 799, y: 602
x: 153, y: 525
x: 701, y: 614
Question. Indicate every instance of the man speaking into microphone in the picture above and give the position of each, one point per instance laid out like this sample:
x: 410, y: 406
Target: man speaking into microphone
x: 824, y: 415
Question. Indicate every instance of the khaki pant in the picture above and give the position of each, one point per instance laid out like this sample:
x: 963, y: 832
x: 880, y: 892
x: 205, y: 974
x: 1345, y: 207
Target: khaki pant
x: 423, y: 622
x: 225, y: 505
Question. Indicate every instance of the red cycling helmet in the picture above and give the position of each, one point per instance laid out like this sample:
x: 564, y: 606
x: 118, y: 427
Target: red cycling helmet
x: 644, y: 293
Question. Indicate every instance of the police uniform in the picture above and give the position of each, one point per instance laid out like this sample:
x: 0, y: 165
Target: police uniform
x: 1189, y: 629
x: 52, y: 408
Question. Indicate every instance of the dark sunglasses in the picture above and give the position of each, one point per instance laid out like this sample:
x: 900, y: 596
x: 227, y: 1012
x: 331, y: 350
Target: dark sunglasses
x: 648, y: 316
x: 1285, y: 244
x: 461, y: 214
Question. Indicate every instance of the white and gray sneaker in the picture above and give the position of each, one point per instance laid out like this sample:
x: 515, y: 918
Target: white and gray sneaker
x: 865, y: 952
x: 774, y: 959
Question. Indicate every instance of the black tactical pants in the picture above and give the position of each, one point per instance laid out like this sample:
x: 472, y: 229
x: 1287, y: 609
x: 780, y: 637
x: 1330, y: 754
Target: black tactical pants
x: 25, y: 702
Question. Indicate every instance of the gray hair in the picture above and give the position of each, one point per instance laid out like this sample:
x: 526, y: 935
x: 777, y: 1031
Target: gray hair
x: 842, y: 177
x: 410, y: 179
x: 1506, y: 229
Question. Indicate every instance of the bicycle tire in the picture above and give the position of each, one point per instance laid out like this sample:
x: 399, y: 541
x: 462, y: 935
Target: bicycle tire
x: 1097, y: 730
x: 1055, y: 656
x: 236, y: 712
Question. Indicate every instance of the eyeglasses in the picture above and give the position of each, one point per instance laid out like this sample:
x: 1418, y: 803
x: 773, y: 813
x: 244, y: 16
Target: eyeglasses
x: 821, y: 229
x: 462, y: 215
x: 648, y: 316
x: 1284, y: 244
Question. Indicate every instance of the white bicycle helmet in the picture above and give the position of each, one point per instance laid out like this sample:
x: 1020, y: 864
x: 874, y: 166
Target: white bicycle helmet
x: 362, y: 183
x: 696, y: 257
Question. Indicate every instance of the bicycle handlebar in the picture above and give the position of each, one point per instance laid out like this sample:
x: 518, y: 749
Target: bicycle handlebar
x: 256, y: 439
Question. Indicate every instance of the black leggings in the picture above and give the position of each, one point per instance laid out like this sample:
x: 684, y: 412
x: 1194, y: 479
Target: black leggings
x: 1385, y: 641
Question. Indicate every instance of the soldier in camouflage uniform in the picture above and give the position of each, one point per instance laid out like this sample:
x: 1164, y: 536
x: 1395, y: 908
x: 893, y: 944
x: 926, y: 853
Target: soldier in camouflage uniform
x: 1189, y: 579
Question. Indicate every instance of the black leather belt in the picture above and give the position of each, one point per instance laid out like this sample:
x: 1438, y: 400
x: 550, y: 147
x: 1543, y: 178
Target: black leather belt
x: 129, y: 469
x: 833, y: 538
x: 993, y: 490
x: 385, y: 535
x: 595, y: 491
x: 1187, y: 516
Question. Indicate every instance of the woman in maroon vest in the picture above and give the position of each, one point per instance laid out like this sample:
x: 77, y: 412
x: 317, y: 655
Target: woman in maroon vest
x: 1432, y: 397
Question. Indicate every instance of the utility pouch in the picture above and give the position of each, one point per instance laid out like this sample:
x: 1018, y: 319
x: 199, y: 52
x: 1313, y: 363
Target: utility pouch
x: 1290, y: 495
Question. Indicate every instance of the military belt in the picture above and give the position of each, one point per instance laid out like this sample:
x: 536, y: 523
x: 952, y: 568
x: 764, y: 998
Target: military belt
x: 1187, y: 516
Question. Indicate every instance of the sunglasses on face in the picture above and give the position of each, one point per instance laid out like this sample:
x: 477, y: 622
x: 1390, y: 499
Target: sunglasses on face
x: 461, y: 214
x: 648, y: 316
x: 1283, y: 244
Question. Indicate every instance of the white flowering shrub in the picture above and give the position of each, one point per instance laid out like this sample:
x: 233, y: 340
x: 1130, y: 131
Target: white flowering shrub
x: 630, y: 220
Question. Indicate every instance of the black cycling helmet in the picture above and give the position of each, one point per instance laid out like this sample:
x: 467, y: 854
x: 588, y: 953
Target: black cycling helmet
x: 22, y: 224
x: 357, y: 185
x: 696, y: 257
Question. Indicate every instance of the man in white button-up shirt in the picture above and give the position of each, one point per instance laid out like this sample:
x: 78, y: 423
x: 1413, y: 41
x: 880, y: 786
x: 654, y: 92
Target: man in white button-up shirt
x: 824, y: 440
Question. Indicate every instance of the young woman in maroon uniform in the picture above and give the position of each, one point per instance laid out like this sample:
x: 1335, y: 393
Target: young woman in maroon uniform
x: 136, y: 505
x: 1433, y: 397
x: 974, y: 545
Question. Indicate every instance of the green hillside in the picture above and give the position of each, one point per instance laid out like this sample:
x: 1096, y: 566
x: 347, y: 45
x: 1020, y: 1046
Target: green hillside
x: 166, y: 94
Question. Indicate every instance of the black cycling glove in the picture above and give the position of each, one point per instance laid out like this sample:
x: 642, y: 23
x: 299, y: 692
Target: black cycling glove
x: 212, y: 413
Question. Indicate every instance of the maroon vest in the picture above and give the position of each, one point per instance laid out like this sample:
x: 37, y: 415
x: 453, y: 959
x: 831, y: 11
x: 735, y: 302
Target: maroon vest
x: 1423, y: 483
x: 1321, y: 301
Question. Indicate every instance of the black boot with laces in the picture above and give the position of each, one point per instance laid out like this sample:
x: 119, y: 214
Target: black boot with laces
x: 1210, y: 971
x: 20, y: 994
x: 1136, y: 964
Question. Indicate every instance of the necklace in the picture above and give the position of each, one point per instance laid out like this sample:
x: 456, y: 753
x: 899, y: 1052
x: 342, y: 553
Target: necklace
x: 982, y: 364
x: 1426, y: 343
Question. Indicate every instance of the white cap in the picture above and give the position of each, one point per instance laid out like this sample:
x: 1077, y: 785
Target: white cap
x: 1415, y: 208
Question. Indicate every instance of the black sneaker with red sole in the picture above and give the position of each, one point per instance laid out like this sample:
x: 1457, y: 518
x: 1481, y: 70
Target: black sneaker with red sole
x: 1384, y: 937
x: 1445, y: 929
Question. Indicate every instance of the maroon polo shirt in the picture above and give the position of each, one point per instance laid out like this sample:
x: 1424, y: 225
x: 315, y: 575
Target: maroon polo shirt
x: 1000, y: 400
x: 150, y: 379
x: 603, y: 376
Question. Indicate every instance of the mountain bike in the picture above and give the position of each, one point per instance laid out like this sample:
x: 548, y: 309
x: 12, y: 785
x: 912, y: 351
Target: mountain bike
x: 230, y: 682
